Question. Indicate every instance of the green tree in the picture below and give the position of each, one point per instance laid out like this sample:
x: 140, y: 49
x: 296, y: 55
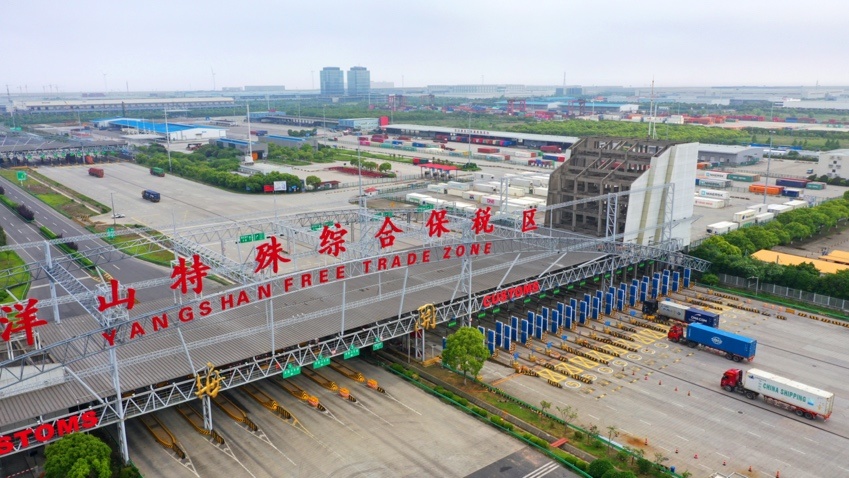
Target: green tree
x: 465, y: 351
x: 567, y: 414
x: 370, y: 165
x: 599, y: 467
x: 2, y: 237
x: 611, y: 432
x: 659, y: 458
x: 545, y: 406
x: 797, y: 231
x: 313, y: 181
x: 384, y: 167
x: 710, y: 279
x: 760, y: 238
x: 740, y: 240
x: 78, y: 455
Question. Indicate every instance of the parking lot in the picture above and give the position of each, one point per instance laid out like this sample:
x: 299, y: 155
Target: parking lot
x: 665, y: 398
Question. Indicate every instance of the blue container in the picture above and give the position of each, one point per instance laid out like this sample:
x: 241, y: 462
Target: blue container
x: 722, y: 340
x: 699, y: 316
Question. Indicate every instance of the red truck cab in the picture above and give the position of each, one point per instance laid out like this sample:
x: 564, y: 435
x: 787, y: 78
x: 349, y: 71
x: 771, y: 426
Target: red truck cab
x: 731, y: 379
x: 676, y: 333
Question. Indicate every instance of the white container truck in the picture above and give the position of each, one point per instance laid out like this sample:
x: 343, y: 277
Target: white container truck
x: 672, y: 310
x: 764, y: 217
x: 804, y: 400
x: 778, y: 208
x: 722, y: 227
x: 416, y: 198
x: 758, y: 208
x: 796, y: 204
x: 711, y: 203
x: 743, y: 215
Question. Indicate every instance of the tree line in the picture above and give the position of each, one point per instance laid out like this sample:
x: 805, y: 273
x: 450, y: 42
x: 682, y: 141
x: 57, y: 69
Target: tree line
x: 730, y: 253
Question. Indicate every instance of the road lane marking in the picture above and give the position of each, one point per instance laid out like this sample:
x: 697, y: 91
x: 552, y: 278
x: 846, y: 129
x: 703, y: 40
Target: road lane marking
x: 647, y: 423
x: 592, y: 416
x: 750, y: 433
x: 798, y: 451
x: 723, y: 456
x: 679, y: 436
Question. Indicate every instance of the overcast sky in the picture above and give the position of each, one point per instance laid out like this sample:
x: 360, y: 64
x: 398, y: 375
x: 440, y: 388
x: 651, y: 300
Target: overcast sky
x: 176, y: 44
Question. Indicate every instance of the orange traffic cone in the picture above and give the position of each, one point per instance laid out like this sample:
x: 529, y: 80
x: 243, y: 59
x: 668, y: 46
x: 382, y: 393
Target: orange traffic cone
x: 723, y: 462
x: 647, y: 442
x: 676, y: 451
x: 676, y: 389
x: 646, y: 377
x: 688, y: 393
x: 750, y: 468
x: 696, y: 456
x: 660, y: 382
x: 777, y: 474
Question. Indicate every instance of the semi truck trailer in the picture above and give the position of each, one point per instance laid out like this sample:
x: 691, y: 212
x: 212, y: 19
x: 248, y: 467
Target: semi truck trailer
x: 668, y: 309
x: 803, y: 400
x: 735, y: 347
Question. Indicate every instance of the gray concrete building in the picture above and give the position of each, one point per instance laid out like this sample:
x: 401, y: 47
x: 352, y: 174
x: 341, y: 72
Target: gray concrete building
x: 332, y: 81
x: 598, y: 166
x: 729, y: 155
x: 831, y: 164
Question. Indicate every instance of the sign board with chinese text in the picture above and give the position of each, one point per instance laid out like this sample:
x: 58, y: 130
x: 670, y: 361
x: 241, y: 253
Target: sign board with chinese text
x: 22, y: 175
x: 257, y: 236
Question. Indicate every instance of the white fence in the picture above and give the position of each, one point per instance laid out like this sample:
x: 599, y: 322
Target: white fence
x: 780, y: 291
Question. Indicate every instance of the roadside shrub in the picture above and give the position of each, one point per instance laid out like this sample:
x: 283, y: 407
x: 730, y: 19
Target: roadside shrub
x: 598, y: 468
x: 644, y: 466
x: 398, y: 368
x: 578, y: 435
x: 482, y: 413
x: 622, y: 456
x: 25, y: 212
x: 462, y: 401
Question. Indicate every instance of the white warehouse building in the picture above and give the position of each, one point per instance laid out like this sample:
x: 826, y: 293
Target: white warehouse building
x: 831, y: 164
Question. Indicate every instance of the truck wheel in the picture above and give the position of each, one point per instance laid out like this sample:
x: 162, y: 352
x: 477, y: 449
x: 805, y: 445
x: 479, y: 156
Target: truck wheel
x: 738, y: 358
x: 800, y: 413
x: 729, y: 356
x: 692, y: 345
x: 728, y: 388
x: 809, y: 415
x: 750, y: 395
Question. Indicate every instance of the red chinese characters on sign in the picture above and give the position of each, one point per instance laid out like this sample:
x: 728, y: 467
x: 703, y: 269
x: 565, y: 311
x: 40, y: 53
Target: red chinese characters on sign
x: 270, y: 254
x: 387, y: 232
x: 332, y: 242
x: 480, y: 223
x: 24, y: 320
x: 529, y: 222
x: 129, y: 301
x: 187, y: 275
x: 436, y: 223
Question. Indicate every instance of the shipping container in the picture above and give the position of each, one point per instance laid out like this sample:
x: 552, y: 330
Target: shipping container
x: 488, y: 150
x: 419, y: 145
x: 713, y: 193
x: 98, y: 172
x: 788, y: 391
x: 437, y: 188
x: 715, y: 174
x: 459, y: 185
x: 365, y: 142
x: 778, y: 208
x: 490, y: 200
x: 815, y: 185
x: 743, y: 215
x: 694, y: 315
x: 672, y: 310
x: 540, y: 191
x: 702, y: 165
x: 713, y: 183
x: 735, y: 346
x: 758, y: 208
x: 550, y: 149
x: 722, y: 227
x: 710, y: 202
x: 454, y: 192
x: 420, y: 161
x: 150, y: 195
x: 796, y: 204
x: 473, y: 195
x: 416, y: 198
x: 792, y: 183
x: 793, y: 192
x: 157, y: 172
x: 770, y: 190
x: 764, y: 217
x: 744, y: 177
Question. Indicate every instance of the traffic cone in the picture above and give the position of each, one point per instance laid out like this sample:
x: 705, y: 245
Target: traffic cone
x: 676, y: 389
x: 750, y: 468
x: 660, y: 382
x: 723, y: 462
x: 676, y: 450
x: 778, y: 474
x: 696, y: 456
x: 688, y: 393
x: 647, y: 442
x: 633, y: 372
x: 646, y: 377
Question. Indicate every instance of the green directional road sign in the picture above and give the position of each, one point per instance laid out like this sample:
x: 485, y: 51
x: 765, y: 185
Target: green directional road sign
x: 110, y: 233
x: 424, y: 207
x: 377, y: 345
x: 22, y: 175
x: 257, y: 236
x: 291, y: 371
x: 321, y: 362
x: 351, y: 353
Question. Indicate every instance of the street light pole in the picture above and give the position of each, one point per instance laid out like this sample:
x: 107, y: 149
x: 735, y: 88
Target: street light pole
x: 112, y: 198
x: 470, y: 138
x: 768, y: 162
x: 167, y: 139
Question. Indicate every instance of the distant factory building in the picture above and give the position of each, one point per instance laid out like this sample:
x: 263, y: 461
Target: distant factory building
x: 597, y: 166
x: 288, y: 141
x: 175, y: 132
x: 359, y: 81
x: 362, y: 124
x: 118, y: 104
x: 264, y: 88
x: 332, y: 81
x: 258, y: 150
x: 728, y: 155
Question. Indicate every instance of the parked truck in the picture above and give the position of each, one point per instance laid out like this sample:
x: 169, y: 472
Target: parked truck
x: 95, y: 172
x: 150, y: 195
x: 669, y: 310
x: 735, y: 347
x: 804, y: 400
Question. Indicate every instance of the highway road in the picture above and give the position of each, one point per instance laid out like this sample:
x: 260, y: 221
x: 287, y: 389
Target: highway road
x: 18, y: 231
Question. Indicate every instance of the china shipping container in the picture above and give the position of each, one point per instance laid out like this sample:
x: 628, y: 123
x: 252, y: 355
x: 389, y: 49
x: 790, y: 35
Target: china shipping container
x: 791, y: 183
